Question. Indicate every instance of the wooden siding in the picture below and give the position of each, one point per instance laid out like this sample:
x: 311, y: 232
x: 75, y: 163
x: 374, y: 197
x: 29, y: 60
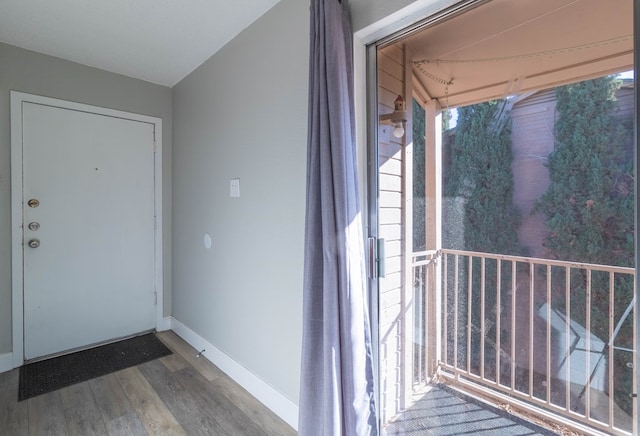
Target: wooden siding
x: 391, y: 78
x: 532, y: 136
x: 625, y: 106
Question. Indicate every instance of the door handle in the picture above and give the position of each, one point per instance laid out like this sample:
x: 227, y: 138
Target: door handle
x: 34, y: 243
x: 376, y: 268
x: 33, y: 226
x: 371, y: 264
x: 33, y: 203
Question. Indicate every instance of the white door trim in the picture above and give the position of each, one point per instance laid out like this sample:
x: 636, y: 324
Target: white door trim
x: 17, y: 268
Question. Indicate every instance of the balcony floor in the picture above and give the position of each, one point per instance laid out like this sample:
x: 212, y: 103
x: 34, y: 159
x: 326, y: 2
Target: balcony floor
x: 441, y: 410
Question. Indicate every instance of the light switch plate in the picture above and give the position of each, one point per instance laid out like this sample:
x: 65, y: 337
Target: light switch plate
x: 234, y: 188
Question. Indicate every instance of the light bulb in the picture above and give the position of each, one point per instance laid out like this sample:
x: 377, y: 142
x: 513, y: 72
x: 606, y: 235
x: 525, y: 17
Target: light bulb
x: 398, y: 131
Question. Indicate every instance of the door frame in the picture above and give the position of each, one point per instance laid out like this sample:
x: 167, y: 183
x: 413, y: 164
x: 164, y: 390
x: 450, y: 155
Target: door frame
x: 17, y: 246
x: 388, y: 27
x: 365, y: 44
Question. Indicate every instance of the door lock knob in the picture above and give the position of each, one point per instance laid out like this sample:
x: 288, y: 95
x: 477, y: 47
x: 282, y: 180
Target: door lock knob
x: 33, y: 226
x: 34, y: 243
x: 33, y: 203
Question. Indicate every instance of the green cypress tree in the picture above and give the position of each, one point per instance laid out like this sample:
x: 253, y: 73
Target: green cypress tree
x: 419, y: 242
x: 589, y: 202
x: 589, y: 209
x: 481, y: 176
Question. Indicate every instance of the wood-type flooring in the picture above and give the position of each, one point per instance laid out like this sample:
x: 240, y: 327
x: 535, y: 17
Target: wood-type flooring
x: 180, y: 394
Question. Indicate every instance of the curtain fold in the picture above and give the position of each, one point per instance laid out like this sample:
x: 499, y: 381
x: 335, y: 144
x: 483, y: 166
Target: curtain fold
x: 337, y: 393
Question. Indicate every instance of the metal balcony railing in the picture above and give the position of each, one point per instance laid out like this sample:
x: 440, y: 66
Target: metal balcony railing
x: 550, y: 338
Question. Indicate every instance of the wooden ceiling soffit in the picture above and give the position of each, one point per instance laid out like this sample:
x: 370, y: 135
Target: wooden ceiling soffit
x: 506, y: 47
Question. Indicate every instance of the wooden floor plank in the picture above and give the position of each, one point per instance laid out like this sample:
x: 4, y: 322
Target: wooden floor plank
x: 255, y: 410
x: 14, y: 415
x: 81, y: 412
x: 175, y: 395
x: 110, y: 398
x: 153, y: 413
x: 230, y: 418
x: 126, y: 425
x: 252, y: 408
x: 174, y: 362
x: 46, y: 415
x: 183, y: 404
x: 179, y: 346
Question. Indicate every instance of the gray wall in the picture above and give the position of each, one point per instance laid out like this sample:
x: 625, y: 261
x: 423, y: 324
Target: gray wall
x: 243, y: 114
x: 34, y: 73
x: 366, y: 12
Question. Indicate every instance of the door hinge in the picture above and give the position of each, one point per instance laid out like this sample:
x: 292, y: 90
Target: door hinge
x: 155, y: 296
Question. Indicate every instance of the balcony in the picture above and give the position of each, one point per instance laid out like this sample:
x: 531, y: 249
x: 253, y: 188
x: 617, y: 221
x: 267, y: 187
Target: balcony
x: 549, y: 340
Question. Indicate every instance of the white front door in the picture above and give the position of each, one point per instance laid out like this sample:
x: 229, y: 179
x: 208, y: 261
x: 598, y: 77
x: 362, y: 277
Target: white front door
x: 88, y: 228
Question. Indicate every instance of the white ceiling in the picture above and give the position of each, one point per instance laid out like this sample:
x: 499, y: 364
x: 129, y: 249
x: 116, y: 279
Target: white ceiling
x: 160, y: 41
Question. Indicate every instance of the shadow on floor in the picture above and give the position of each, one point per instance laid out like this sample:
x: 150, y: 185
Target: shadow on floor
x: 443, y: 411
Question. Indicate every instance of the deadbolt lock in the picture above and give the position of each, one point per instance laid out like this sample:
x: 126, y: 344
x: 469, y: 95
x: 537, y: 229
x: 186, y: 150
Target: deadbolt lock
x: 33, y: 203
x: 34, y: 226
x: 34, y: 243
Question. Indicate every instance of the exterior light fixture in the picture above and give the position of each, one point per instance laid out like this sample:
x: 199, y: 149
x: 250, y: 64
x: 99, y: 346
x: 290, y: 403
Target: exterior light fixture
x: 398, y: 118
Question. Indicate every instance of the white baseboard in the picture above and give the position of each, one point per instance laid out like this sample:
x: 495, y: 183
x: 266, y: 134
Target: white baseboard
x: 6, y: 362
x: 274, y: 400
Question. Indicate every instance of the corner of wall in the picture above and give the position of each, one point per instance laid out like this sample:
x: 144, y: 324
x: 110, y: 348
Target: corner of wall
x: 164, y: 324
x: 263, y: 392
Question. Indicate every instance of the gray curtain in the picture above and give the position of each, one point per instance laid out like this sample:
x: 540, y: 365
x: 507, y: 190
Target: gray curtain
x: 337, y: 394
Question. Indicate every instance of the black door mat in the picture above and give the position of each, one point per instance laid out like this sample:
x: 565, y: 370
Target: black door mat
x: 49, y: 375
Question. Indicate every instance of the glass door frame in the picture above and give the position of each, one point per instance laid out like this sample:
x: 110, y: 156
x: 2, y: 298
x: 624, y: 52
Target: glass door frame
x: 366, y: 47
